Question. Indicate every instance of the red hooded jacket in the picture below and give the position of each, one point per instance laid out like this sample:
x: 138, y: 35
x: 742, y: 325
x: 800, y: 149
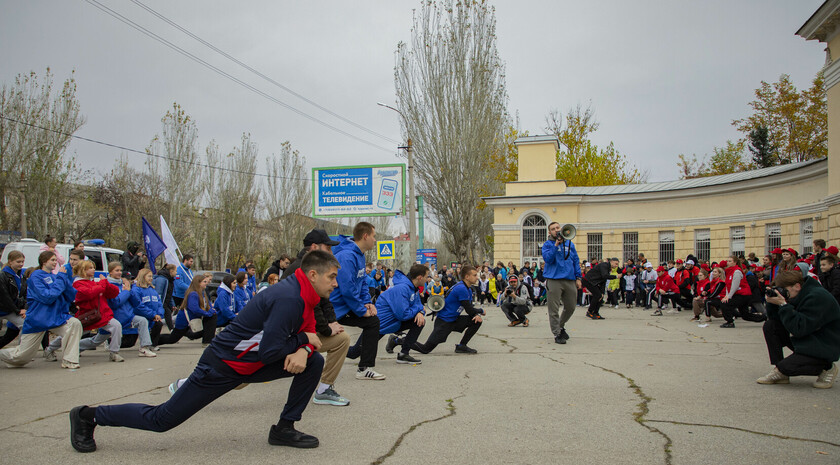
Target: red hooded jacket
x: 90, y: 293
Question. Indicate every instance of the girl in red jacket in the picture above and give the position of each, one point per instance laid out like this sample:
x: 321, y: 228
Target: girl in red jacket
x: 666, y: 290
x: 92, y: 294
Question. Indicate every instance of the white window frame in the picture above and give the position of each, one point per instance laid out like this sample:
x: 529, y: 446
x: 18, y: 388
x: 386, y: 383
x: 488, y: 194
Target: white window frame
x: 703, y: 244
x: 738, y: 236
x: 806, y: 236
x: 773, y: 236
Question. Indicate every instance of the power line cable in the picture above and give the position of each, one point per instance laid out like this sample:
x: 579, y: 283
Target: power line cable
x: 164, y: 157
x: 224, y: 74
x: 258, y: 73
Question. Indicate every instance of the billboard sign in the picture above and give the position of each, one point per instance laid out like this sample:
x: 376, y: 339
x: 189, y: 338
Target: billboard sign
x: 427, y: 256
x: 373, y: 190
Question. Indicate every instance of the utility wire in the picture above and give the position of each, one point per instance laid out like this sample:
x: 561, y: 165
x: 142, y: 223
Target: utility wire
x: 164, y: 157
x: 258, y: 73
x: 222, y: 73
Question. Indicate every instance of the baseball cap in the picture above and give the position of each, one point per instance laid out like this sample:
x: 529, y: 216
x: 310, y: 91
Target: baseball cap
x: 648, y: 265
x: 723, y: 264
x: 832, y: 250
x: 689, y: 262
x: 513, y: 277
x: 318, y: 236
x: 777, y: 250
x: 661, y: 268
x: 679, y: 260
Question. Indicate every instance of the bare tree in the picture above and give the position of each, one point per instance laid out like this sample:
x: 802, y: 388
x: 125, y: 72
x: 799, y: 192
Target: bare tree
x: 35, y: 131
x: 450, y: 89
x: 287, y: 198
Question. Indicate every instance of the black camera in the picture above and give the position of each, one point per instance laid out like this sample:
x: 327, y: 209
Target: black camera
x: 771, y: 292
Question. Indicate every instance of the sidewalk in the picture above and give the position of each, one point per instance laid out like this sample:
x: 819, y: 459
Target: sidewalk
x: 628, y: 389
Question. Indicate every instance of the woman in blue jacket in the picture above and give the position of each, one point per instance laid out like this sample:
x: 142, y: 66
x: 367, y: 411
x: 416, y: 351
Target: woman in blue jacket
x: 240, y: 293
x: 149, y: 309
x: 225, y: 304
x: 195, y: 305
x: 123, y: 306
x: 48, y: 297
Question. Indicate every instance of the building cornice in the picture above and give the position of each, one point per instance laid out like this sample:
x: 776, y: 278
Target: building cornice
x: 822, y: 23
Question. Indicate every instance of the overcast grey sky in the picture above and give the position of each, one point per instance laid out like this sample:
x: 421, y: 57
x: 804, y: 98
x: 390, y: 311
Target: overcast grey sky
x: 664, y: 77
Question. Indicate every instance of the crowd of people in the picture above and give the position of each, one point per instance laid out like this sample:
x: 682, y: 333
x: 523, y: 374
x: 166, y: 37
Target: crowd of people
x: 292, y: 322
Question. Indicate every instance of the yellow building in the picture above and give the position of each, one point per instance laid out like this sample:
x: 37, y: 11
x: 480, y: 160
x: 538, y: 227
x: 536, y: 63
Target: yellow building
x: 754, y: 211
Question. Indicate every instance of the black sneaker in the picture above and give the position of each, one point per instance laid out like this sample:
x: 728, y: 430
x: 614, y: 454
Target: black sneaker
x: 559, y: 340
x: 728, y: 324
x: 563, y: 335
x: 291, y: 437
x: 353, y: 353
x: 81, y: 431
x: 392, y: 342
x: 462, y: 349
x: 406, y: 358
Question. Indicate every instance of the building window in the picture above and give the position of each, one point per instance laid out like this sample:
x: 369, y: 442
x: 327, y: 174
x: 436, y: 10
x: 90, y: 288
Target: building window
x: 806, y: 236
x: 666, y: 246
x: 774, y: 236
x: 737, y: 235
x: 630, y: 246
x: 703, y: 244
x: 594, y: 246
x: 534, y: 234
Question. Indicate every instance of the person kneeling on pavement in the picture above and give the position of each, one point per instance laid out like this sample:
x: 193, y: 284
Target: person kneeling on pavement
x: 516, y: 302
x: 805, y: 318
x: 401, y: 309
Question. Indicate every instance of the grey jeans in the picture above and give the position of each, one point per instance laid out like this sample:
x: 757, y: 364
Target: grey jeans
x: 562, y: 294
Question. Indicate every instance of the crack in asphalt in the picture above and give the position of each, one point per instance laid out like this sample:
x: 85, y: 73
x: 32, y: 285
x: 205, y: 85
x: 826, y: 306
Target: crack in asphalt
x: 450, y: 406
x: 639, y: 415
x: 760, y: 433
x: 8, y: 428
x: 504, y: 342
x: 33, y: 434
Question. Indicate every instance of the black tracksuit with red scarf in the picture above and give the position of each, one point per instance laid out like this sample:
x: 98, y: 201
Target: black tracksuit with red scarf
x: 252, y: 349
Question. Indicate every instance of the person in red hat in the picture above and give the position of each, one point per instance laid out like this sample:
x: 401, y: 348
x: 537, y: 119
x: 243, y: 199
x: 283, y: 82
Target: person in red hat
x: 739, y: 296
x: 666, y: 290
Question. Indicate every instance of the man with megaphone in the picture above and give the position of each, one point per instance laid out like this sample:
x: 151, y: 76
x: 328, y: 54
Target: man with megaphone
x: 562, y: 276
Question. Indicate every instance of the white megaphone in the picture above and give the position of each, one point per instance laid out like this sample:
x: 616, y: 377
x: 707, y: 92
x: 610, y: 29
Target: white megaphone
x: 568, y: 232
x: 436, y: 303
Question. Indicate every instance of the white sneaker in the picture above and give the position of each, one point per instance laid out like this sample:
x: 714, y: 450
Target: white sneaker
x: 826, y: 378
x: 146, y: 352
x: 369, y: 374
x: 774, y: 377
x: 49, y: 355
x: 115, y: 357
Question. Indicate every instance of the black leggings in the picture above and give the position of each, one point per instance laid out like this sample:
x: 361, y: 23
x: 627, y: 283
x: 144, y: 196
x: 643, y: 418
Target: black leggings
x: 128, y: 340
x: 464, y: 323
x: 206, y: 335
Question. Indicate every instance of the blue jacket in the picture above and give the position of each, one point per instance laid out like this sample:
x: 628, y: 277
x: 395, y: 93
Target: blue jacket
x: 182, y: 281
x: 160, y: 284
x: 454, y: 302
x: 149, y: 304
x: 352, y: 293
x: 557, y: 266
x: 194, y: 310
x: 252, y: 285
x: 241, y: 298
x: 369, y: 281
x: 225, y: 305
x: 48, y: 298
x: 268, y: 330
x: 401, y: 302
x: 123, y: 307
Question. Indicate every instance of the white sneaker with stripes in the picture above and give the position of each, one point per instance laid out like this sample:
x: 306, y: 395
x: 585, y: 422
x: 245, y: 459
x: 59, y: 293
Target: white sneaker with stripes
x: 368, y: 373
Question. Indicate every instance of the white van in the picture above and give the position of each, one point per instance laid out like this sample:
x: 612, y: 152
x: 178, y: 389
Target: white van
x: 31, y: 248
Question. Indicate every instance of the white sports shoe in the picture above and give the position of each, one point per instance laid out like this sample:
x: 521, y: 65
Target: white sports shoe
x: 115, y: 357
x: 146, y: 352
x: 774, y: 377
x: 369, y: 374
x: 826, y: 378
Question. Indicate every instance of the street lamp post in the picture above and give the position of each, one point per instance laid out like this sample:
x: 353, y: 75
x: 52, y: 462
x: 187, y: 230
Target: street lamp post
x: 412, y: 220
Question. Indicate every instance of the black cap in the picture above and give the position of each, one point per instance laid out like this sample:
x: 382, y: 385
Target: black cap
x: 318, y: 236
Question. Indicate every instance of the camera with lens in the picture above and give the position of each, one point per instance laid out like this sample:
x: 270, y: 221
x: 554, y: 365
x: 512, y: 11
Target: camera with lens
x: 771, y: 292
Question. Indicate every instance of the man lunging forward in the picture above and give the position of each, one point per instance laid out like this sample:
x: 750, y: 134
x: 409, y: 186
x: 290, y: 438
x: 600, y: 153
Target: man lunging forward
x: 272, y: 337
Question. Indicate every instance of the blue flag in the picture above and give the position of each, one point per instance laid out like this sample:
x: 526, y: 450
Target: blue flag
x: 153, y: 244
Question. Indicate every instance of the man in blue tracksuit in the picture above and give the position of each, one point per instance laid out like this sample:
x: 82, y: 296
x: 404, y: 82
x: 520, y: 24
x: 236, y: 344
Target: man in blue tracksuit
x: 400, y: 309
x: 563, y: 279
x: 450, y: 319
x: 273, y: 337
x: 183, y: 279
x: 351, y: 299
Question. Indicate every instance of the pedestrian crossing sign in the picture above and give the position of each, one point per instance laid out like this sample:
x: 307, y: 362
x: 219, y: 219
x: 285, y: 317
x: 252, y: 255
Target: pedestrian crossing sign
x: 384, y: 250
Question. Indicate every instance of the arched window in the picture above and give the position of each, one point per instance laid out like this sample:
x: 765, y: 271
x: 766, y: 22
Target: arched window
x: 534, y: 234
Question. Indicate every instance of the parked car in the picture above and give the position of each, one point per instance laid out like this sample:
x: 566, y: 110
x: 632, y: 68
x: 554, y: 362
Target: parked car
x: 215, y: 282
x: 31, y: 248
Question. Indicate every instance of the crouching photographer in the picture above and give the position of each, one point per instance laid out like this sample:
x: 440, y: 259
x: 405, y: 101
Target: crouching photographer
x: 516, y: 302
x: 805, y: 318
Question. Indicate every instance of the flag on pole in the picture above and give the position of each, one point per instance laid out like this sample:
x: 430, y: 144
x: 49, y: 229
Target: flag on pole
x: 153, y: 243
x: 171, y: 252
